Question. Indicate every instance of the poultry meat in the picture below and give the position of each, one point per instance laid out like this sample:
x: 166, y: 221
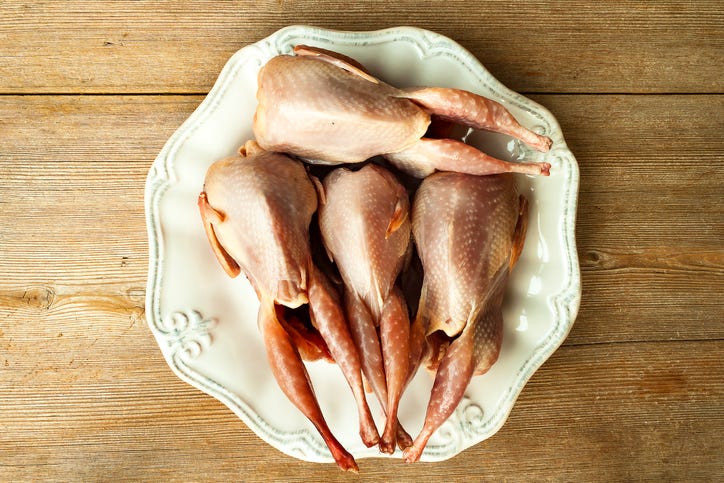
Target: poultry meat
x: 469, y: 232
x: 256, y: 209
x: 369, y: 209
x: 468, y: 223
x: 326, y: 108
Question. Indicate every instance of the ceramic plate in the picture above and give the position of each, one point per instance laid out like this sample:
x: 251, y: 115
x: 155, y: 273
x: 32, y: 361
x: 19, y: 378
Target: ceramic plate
x: 205, y: 322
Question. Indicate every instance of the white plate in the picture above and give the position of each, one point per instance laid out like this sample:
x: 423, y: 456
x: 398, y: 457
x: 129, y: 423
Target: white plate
x: 205, y: 322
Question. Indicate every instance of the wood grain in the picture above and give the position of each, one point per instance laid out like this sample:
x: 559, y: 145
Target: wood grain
x: 625, y: 411
x: 161, y: 46
x: 634, y: 393
x: 75, y: 166
x: 650, y: 219
x: 85, y: 392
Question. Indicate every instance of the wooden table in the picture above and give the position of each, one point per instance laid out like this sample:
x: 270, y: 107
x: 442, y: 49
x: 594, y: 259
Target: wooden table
x: 90, y: 91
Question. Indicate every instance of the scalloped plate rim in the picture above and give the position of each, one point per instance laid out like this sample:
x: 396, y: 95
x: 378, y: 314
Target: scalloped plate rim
x: 161, y: 177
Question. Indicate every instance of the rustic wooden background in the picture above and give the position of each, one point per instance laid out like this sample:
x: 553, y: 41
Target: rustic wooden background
x: 89, y: 93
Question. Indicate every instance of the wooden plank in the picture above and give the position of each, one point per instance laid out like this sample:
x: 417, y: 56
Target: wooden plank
x: 650, y: 219
x: 180, y: 47
x: 72, y: 176
x: 79, y: 407
x: 85, y: 393
x: 635, y: 392
x: 72, y: 171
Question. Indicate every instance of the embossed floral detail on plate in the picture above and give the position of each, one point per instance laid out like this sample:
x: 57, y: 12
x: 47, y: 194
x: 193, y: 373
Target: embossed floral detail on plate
x: 187, y: 332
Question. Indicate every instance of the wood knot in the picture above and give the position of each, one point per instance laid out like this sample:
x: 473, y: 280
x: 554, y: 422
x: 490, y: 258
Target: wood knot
x: 596, y: 259
x: 39, y: 297
x: 593, y: 255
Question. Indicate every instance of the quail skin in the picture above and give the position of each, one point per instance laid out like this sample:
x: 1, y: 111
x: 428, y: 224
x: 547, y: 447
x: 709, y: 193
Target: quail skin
x: 320, y: 106
x: 256, y: 208
x: 365, y: 222
x: 469, y: 231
